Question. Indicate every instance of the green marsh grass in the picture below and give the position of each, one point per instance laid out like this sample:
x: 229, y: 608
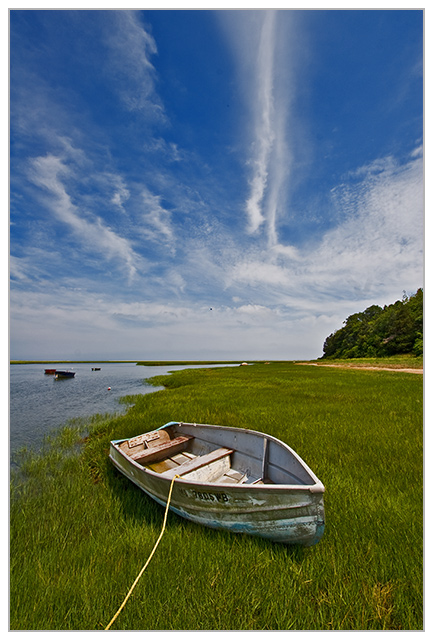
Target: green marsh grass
x: 80, y: 532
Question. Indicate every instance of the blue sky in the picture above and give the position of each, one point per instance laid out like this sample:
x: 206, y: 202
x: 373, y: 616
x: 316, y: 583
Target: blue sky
x: 210, y: 184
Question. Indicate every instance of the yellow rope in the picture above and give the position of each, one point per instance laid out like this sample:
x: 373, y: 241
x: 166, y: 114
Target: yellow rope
x: 149, y: 558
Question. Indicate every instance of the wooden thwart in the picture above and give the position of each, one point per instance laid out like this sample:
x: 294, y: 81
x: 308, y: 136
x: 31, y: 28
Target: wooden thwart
x: 159, y: 452
x: 198, y: 462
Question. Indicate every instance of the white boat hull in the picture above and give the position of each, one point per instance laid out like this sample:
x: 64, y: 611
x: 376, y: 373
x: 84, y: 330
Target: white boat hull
x: 291, y: 512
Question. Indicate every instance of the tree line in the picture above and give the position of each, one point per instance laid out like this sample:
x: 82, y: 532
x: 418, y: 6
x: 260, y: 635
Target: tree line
x: 378, y: 332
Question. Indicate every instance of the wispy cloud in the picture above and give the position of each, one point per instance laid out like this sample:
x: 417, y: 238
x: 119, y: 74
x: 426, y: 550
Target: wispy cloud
x: 262, y: 52
x: 130, y: 49
x: 264, y: 126
x: 120, y: 192
x: 157, y: 219
x: 50, y: 173
x: 18, y: 268
x: 377, y: 245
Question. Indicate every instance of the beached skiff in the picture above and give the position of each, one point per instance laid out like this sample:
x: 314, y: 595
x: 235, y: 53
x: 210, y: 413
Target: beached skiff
x: 234, y: 479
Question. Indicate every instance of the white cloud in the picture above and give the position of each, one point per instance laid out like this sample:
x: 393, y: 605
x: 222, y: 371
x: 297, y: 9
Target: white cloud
x: 130, y: 48
x: 375, y: 252
x: 157, y: 219
x: 49, y: 173
x: 18, y: 268
x: 253, y: 309
x: 121, y: 193
x: 260, y: 272
x: 261, y: 41
x: 418, y: 152
x: 263, y: 114
x: 381, y: 239
x: 71, y: 320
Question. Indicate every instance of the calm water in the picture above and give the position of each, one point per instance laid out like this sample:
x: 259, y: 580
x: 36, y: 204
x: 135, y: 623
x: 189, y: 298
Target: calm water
x: 39, y: 403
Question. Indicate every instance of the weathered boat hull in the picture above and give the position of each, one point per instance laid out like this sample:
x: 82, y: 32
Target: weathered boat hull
x: 287, y: 513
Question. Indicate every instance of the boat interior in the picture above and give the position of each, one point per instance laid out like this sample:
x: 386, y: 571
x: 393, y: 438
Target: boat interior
x: 186, y: 456
x: 200, y: 457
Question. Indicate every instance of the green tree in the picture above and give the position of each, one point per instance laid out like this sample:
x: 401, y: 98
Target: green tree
x: 378, y: 332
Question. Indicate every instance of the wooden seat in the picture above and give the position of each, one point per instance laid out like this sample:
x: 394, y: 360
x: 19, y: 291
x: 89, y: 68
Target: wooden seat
x: 197, y: 463
x: 161, y: 451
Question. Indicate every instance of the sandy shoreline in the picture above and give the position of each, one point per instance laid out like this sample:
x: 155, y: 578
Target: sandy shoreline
x: 360, y: 366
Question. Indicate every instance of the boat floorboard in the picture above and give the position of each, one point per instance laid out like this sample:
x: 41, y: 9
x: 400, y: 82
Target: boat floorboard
x: 171, y: 462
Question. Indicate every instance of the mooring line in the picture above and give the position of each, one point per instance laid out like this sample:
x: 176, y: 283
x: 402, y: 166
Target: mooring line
x: 149, y: 558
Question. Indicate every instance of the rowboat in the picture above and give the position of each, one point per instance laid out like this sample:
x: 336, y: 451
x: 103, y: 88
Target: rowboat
x: 64, y: 374
x: 96, y: 368
x: 228, y: 478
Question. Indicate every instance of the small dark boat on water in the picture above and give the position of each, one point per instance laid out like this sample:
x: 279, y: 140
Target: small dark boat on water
x: 96, y: 368
x: 64, y: 374
x: 227, y: 478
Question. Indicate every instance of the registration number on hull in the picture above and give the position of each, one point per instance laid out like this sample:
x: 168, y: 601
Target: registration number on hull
x: 205, y: 495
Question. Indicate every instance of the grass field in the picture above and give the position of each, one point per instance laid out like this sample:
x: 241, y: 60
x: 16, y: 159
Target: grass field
x: 80, y: 532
